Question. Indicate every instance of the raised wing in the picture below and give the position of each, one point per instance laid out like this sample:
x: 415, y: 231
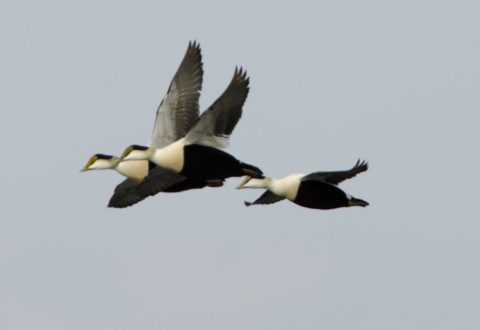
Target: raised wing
x: 338, y: 176
x: 215, y: 125
x: 125, y: 195
x: 266, y: 198
x: 179, y: 109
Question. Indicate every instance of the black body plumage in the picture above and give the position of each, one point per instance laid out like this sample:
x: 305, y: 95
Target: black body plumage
x: 207, y: 163
x: 320, y: 195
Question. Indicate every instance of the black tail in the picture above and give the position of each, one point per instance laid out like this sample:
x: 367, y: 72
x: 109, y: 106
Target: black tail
x: 252, y: 171
x: 357, y: 202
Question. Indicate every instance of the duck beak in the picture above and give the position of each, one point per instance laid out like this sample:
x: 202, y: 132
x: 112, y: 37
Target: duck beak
x: 244, y: 182
x: 87, y: 165
x: 126, y: 153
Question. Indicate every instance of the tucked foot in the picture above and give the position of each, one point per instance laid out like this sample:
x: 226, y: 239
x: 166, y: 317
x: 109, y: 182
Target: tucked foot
x: 214, y: 183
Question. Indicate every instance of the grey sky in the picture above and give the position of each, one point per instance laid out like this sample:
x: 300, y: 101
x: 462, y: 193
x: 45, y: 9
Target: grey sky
x: 395, y: 83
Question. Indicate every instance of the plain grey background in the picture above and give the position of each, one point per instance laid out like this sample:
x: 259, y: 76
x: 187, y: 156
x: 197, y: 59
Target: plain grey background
x: 393, y: 82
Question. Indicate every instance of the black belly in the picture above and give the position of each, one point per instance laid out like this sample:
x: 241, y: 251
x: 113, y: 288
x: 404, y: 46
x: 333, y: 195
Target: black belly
x: 209, y: 163
x: 320, y: 195
x: 187, y: 184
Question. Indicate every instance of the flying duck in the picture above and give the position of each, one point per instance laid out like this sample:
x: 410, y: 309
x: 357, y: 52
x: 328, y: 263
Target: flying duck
x: 318, y: 190
x: 198, y: 154
x: 175, y: 115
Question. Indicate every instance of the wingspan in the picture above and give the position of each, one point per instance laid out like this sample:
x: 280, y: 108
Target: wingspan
x: 338, y: 176
x: 266, y: 198
x: 215, y: 125
x: 179, y: 109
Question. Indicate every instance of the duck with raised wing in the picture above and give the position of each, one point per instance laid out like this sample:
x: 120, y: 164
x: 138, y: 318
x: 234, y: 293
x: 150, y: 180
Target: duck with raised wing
x: 175, y: 116
x: 198, y: 155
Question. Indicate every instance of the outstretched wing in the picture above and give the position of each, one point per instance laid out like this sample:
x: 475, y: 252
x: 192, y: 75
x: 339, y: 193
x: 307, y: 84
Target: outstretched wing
x: 125, y: 194
x: 157, y: 180
x: 266, y: 198
x: 215, y: 125
x: 179, y: 109
x: 338, y: 176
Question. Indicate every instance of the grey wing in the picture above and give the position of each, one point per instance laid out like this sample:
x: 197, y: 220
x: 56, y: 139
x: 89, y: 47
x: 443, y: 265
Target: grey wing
x: 338, y: 176
x: 125, y: 195
x: 217, y: 123
x: 157, y: 180
x: 179, y: 109
x: 266, y: 198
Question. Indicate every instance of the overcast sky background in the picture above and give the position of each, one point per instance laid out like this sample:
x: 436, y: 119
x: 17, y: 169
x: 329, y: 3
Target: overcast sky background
x: 395, y: 83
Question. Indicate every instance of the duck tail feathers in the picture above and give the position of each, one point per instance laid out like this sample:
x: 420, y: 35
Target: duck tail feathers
x: 252, y: 171
x: 357, y: 202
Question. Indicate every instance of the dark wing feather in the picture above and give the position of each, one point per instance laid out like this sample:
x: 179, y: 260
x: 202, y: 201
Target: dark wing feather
x: 223, y: 115
x: 338, y: 176
x: 125, y: 194
x: 157, y: 180
x: 179, y: 109
x: 266, y: 198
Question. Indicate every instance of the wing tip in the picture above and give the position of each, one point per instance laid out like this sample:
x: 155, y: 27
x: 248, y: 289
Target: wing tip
x: 361, y: 165
x: 114, y: 205
x: 241, y: 75
x: 194, y: 52
x: 194, y: 45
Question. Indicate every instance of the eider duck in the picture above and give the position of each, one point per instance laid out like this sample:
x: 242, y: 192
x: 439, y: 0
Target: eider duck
x: 175, y: 115
x: 198, y: 154
x: 317, y: 190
